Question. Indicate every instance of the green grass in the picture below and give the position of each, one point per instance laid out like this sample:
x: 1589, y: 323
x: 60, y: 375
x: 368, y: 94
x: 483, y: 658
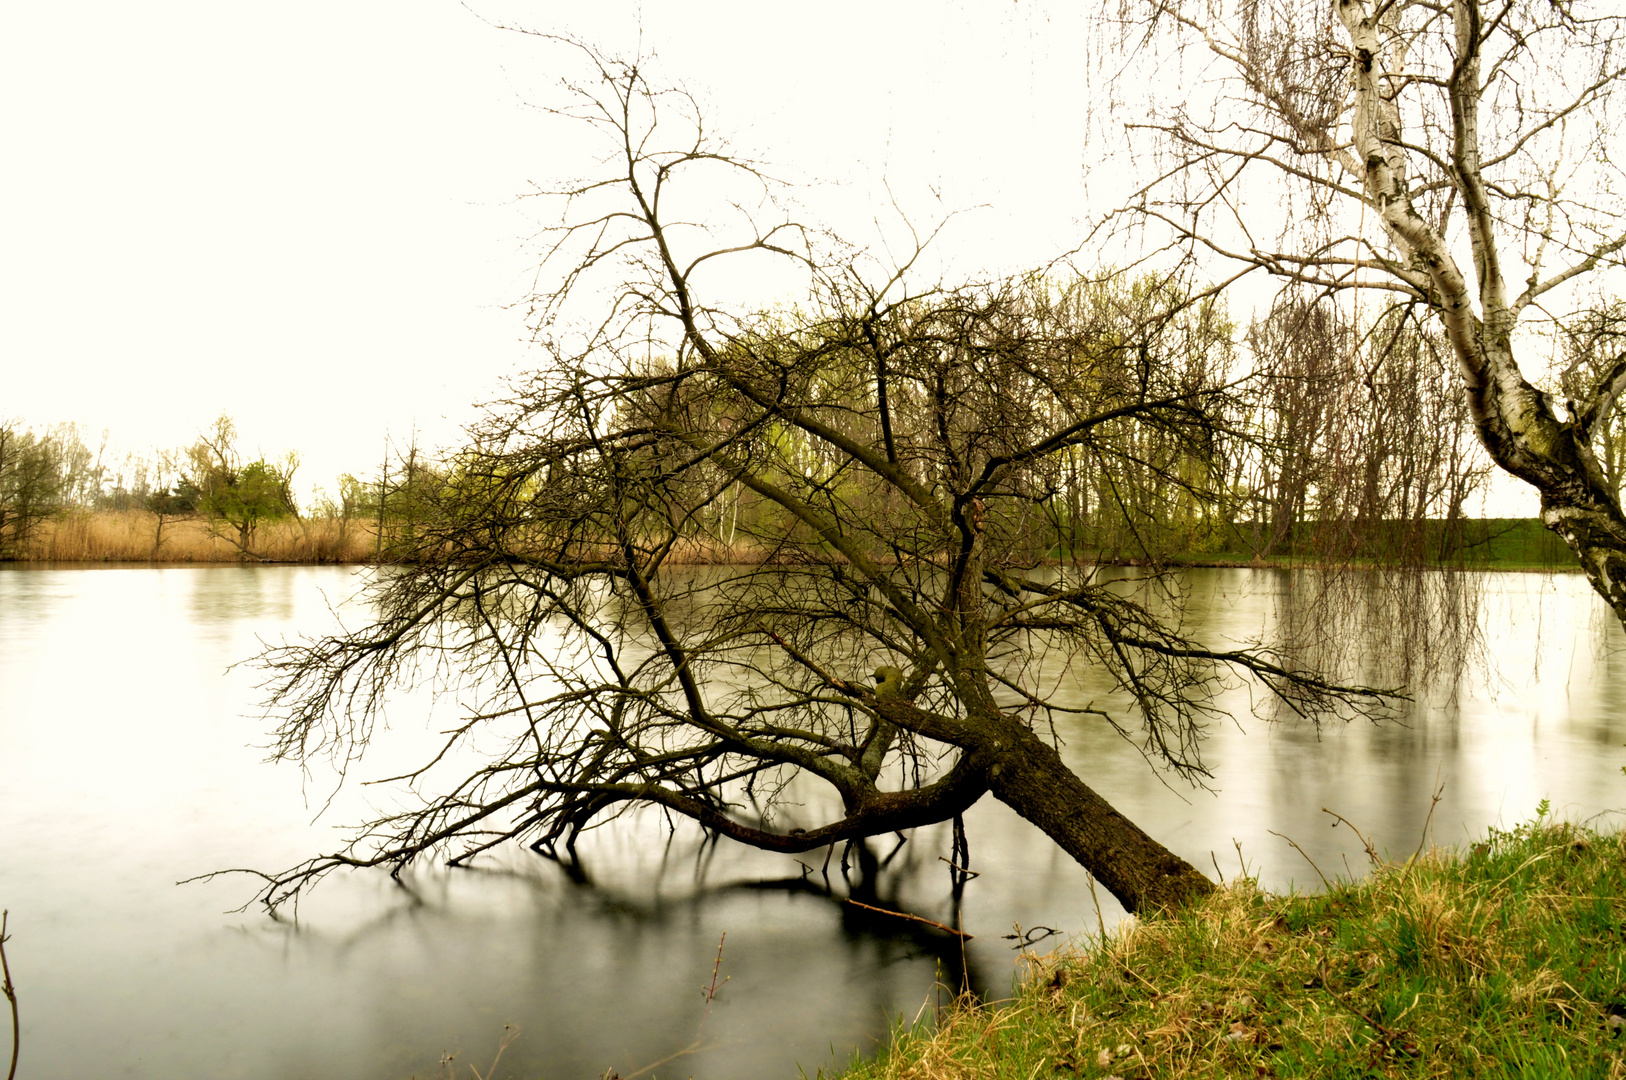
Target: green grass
x: 1507, y: 959
x: 1515, y: 544
x: 1473, y: 544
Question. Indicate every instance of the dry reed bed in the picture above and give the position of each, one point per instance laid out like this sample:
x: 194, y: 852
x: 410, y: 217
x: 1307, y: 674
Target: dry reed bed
x: 1505, y: 960
x: 135, y: 536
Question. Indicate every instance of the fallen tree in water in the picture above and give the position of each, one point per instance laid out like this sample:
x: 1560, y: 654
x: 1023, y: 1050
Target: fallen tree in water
x: 896, y: 646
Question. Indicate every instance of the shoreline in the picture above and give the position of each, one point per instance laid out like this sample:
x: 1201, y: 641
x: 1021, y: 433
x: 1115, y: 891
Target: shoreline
x: 136, y: 562
x: 140, y: 538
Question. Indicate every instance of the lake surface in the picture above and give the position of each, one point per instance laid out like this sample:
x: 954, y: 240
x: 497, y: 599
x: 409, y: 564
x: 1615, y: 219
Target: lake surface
x: 129, y: 759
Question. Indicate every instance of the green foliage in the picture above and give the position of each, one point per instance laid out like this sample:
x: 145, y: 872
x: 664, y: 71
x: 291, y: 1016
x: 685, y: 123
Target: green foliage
x: 246, y: 496
x: 177, y: 500
x: 1032, y: 356
x: 233, y: 493
x: 1507, y: 959
x: 43, y: 474
x: 34, y: 482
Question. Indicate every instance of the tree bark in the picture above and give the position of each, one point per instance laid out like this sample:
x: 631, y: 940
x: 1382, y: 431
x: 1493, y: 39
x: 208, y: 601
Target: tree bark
x: 1524, y: 437
x: 1514, y: 420
x: 1031, y: 778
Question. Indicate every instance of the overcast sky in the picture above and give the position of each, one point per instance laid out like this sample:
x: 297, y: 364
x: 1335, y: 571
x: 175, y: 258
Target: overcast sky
x: 307, y: 215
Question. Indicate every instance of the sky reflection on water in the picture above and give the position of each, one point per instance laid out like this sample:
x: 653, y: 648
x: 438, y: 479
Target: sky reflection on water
x: 129, y: 758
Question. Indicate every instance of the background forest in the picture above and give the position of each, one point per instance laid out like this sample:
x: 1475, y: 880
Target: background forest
x: 1336, y: 441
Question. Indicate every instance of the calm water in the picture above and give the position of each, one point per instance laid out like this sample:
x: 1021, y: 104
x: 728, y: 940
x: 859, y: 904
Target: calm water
x: 129, y: 759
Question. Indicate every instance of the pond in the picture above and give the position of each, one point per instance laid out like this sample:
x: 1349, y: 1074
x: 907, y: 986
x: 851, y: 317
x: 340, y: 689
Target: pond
x: 131, y: 758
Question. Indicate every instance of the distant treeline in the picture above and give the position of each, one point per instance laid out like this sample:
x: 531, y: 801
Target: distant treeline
x: 61, y: 499
x: 1343, y: 444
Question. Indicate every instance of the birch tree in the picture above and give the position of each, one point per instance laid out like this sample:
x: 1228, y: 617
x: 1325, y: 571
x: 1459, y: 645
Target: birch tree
x: 1455, y: 157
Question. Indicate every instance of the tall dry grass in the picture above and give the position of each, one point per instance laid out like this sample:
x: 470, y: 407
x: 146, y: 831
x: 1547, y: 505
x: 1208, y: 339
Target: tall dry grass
x: 135, y: 536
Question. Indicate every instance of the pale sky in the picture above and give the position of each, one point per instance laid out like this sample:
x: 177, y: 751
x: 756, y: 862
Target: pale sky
x: 306, y: 215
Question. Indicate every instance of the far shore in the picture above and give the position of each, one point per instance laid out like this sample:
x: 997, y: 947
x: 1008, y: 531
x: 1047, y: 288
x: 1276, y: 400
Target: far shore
x: 140, y: 538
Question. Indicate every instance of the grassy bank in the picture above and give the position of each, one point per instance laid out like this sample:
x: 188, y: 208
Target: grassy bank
x: 135, y: 536
x: 1475, y: 544
x: 1507, y: 959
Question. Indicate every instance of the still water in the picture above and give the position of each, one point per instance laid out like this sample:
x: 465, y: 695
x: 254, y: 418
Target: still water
x: 130, y: 759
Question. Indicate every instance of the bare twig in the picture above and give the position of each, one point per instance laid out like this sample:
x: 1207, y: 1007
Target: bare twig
x: 1339, y: 819
x: 957, y: 868
x: 711, y: 990
x: 507, y: 1041
x: 1031, y: 936
x: 11, y: 996
x: 1100, y: 922
x: 1306, y: 855
x: 1439, y: 790
x: 961, y: 934
x: 690, y: 1049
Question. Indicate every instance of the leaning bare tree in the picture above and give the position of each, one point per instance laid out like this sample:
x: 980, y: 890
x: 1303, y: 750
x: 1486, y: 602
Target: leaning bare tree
x: 1453, y: 157
x: 703, y: 555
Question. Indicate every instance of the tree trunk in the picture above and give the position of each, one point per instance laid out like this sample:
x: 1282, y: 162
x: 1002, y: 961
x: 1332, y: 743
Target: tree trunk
x: 1522, y: 435
x: 1031, y: 779
x: 1590, y: 521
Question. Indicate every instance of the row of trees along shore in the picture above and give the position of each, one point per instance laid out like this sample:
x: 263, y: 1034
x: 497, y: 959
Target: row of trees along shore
x: 63, y: 500
x: 1323, y: 440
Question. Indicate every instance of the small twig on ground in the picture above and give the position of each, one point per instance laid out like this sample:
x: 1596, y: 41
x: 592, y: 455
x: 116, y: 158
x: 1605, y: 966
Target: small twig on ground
x: 1306, y: 855
x: 1390, y: 1036
x: 961, y: 934
x: 1339, y: 819
x: 11, y: 996
x: 957, y: 868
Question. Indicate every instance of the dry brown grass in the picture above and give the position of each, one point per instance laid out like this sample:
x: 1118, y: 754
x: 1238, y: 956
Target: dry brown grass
x: 134, y: 536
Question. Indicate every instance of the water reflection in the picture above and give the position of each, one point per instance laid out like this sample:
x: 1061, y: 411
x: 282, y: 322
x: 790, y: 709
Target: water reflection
x: 130, y: 760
